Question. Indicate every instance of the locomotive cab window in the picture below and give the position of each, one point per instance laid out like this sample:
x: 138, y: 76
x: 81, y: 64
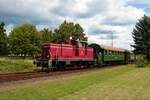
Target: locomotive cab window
x: 79, y: 44
x: 73, y: 42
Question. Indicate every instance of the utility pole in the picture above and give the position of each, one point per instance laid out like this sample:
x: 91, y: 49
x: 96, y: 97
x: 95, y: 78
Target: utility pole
x: 112, y: 39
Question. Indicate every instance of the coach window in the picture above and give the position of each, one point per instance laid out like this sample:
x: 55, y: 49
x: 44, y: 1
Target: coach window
x: 105, y: 52
x: 112, y: 52
x: 109, y: 52
x: 120, y: 53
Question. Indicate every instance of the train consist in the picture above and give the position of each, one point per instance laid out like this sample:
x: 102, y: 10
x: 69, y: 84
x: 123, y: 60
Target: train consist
x: 79, y: 53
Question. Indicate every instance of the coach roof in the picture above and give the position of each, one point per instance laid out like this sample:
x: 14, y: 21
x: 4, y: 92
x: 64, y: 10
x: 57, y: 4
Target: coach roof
x: 112, y: 48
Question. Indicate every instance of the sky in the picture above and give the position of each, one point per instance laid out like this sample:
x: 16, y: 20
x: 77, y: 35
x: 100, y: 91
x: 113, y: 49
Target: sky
x: 101, y: 19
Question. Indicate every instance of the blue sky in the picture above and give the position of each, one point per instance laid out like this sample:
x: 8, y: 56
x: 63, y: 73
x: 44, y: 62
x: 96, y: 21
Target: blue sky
x: 99, y: 18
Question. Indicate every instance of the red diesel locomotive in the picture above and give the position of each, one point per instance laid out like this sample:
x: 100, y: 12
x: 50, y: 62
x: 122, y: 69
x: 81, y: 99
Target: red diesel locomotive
x: 59, y: 56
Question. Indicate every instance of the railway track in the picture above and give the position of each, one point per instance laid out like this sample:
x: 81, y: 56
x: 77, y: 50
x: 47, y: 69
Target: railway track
x: 9, y: 77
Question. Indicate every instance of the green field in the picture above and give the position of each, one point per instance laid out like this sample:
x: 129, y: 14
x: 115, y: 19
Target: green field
x: 120, y: 83
x: 8, y: 65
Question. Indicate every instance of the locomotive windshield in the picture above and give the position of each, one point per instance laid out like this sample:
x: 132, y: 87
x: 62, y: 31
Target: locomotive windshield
x: 45, y: 53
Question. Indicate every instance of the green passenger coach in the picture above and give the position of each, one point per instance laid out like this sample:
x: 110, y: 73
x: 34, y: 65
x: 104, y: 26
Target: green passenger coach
x: 106, y: 54
x: 111, y: 54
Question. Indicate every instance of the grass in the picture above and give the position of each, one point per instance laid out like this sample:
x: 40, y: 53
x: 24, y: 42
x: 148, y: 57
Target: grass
x: 54, y: 89
x: 121, y: 83
x: 133, y: 85
x: 15, y: 65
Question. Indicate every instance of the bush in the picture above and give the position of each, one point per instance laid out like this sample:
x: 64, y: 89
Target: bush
x: 140, y: 63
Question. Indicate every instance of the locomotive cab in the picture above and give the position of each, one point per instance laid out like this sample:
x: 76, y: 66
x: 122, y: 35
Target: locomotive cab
x: 79, y: 47
x: 44, y: 57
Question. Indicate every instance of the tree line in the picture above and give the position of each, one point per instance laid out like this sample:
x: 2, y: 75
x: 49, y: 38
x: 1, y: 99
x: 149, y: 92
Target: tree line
x: 25, y: 39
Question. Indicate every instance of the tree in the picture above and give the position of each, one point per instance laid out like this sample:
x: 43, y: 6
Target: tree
x: 24, y: 40
x: 3, y: 39
x: 69, y: 29
x: 47, y: 35
x: 141, y: 34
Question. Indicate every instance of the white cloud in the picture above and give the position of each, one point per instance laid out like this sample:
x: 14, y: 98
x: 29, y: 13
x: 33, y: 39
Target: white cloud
x: 98, y: 17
